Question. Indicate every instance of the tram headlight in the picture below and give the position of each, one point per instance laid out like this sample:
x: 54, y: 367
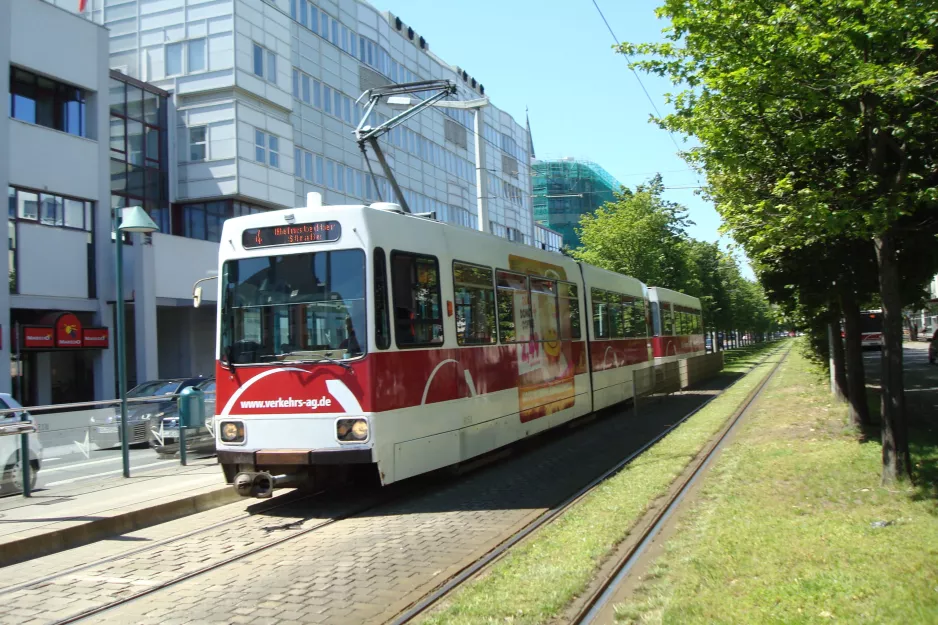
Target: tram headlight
x: 231, y: 432
x: 352, y: 430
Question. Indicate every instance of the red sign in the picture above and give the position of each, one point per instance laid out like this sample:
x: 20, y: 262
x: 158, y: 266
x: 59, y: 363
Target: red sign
x: 38, y: 337
x: 95, y: 337
x: 68, y: 331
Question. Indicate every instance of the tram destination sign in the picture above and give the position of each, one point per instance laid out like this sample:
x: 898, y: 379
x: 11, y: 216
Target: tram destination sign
x: 318, y: 232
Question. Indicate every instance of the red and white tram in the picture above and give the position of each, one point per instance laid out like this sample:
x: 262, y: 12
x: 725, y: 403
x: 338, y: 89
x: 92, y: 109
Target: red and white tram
x: 677, y: 325
x: 359, y: 335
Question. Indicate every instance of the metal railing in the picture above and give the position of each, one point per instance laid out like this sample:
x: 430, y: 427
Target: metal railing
x: 98, y: 428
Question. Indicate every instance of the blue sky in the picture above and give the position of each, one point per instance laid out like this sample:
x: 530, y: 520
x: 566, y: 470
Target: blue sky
x: 555, y: 57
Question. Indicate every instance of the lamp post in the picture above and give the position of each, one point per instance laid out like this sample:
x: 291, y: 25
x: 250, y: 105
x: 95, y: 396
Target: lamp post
x: 476, y: 106
x: 134, y: 220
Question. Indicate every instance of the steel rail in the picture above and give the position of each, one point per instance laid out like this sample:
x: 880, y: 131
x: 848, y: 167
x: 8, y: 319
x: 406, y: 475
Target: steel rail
x: 224, y: 562
x: 600, y: 597
x: 472, y: 569
x: 271, y: 505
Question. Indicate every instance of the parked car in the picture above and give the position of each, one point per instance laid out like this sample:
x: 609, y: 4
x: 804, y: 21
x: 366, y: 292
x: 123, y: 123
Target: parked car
x: 163, y: 434
x: 104, y: 430
x: 11, y: 480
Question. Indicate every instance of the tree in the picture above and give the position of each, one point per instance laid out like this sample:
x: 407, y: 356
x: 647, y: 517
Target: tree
x: 642, y: 235
x: 816, y: 120
x: 639, y: 234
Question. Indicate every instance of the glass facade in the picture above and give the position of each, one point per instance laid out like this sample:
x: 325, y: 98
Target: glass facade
x: 565, y: 190
x: 139, y: 152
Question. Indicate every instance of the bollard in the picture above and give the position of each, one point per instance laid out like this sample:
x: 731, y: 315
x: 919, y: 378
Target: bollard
x: 191, y: 404
x: 24, y: 460
x: 182, y: 444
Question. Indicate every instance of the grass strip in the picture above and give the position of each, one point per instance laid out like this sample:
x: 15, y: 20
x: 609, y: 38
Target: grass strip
x: 792, y: 525
x: 537, y: 579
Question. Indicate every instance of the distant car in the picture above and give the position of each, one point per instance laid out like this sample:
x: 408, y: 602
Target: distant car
x: 104, y: 430
x: 163, y: 434
x: 11, y: 480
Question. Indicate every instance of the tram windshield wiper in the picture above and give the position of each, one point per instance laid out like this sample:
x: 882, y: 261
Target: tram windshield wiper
x: 344, y: 365
x: 317, y: 359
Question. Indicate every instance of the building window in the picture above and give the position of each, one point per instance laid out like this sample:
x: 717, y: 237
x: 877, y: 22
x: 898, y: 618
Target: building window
x: 174, y: 59
x: 50, y: 209
x: 266, y: 148
x: 45, y: 102
x: 196, y: 51
x: 260, y: 147
x: 198, y: 143
x: 204, y: 220
x: 265, y: 63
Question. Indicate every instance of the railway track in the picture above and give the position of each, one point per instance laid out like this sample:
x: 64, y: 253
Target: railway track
x: 590, y: 608
x: 266, y: 535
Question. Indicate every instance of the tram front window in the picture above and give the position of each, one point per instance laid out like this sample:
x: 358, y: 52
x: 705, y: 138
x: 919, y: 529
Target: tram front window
x: 295, y: 307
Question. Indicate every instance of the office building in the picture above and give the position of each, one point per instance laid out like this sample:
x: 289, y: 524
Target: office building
x: 567, y: 189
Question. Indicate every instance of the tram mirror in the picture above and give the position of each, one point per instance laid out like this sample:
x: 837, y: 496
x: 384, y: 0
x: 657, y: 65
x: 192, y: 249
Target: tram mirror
x: 197, y: 297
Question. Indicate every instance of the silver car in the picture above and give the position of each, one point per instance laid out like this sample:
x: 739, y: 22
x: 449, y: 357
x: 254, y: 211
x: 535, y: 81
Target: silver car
x: 11, y: 480
x: 104, y: 430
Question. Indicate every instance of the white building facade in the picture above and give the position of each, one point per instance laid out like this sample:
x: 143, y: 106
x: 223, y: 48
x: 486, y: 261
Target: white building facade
x: 258, y: 98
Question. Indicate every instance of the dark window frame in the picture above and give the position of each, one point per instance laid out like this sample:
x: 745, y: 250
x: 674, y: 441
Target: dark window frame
x: 527, y: 289
x: 430, y: 321
x: 576, y: 332
x: 381, y: 300
x: 57, y: 94
x: 493, y: 331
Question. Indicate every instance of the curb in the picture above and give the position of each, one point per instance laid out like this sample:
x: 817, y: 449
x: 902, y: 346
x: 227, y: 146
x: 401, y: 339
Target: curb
x: 22, y: 550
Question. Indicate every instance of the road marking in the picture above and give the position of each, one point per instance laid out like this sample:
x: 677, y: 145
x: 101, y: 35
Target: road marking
x: 83, y: 464
x: 50, y: 459
x: 85, y: 446
x: 88, y: 477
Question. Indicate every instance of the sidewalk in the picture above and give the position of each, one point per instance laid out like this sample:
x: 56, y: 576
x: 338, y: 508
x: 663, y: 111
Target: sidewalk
x: 90, y: 510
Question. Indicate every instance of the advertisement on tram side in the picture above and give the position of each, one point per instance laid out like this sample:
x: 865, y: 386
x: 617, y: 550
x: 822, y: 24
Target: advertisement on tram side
x: 545, y: 363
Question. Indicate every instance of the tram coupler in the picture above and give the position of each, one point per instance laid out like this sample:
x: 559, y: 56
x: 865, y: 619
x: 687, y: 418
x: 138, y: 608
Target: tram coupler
x: 261, y: 484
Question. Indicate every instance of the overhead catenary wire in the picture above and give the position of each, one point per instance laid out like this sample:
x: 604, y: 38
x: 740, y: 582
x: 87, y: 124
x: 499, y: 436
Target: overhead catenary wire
x: 637, y: 77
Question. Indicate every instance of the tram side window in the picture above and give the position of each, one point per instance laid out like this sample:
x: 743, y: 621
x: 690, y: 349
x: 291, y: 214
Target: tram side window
x: 382, y: 323
x: 544, y: 309
x: 475, y: 304
x: 601, y: 324
x: 667, y: 321
x: 656, y: 318
x: 638, y: 319
x: 514, y: 307
x: 698, y: 324
x: 618, y: 314
x: 418, y: 316
x: 569, y: 311
x: 679, y: 323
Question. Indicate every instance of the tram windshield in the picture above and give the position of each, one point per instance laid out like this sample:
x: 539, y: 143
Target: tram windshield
x: 295, y: 307
x: 871, y: 321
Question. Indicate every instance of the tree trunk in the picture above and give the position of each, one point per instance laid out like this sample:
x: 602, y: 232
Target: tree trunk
x: 838, y: 366
x: 897, y: 463
x: 859, y: 410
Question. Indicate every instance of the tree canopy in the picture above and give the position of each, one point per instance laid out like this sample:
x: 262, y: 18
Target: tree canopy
x: 641, y: 234
x: 817, y: 123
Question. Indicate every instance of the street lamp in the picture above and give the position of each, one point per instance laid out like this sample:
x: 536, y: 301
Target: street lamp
x: 476, y: 106
x: 135, y: 219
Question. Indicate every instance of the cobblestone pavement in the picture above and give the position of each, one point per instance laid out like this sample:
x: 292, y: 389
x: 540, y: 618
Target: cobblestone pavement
x: 362, y: 569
